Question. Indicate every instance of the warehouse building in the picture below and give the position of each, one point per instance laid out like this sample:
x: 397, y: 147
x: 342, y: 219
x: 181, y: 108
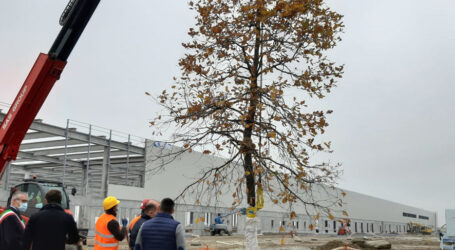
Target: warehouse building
x: 96, y: 162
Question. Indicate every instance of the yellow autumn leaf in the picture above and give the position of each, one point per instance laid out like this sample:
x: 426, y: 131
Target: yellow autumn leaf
x: 311, y: 227
x: 331, y: 217
x: 292, y: 215
x: 345, y: 213
x: 271, y: 134
x: 281, y: 229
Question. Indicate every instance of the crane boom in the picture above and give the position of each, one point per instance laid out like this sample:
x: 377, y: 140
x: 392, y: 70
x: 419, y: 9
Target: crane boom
x: 42, y: 77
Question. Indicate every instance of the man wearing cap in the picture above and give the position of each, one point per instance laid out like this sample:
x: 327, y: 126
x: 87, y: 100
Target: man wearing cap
x: 135, y: 219
x: 148, y: 213
x: 107, y: 229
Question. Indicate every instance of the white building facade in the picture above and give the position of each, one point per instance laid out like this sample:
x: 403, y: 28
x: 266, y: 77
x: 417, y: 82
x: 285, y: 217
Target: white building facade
x: 100, y: 165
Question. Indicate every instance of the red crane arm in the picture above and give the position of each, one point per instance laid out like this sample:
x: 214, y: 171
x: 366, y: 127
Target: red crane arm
x: 26, y: 106
x: 42, y: 77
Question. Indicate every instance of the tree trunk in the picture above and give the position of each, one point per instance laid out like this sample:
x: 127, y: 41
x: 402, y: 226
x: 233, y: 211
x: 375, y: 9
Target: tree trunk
x: 250, y: 185
x: 248, y: 144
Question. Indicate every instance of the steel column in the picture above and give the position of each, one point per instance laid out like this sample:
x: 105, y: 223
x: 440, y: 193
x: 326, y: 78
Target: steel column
x: 66, y: 150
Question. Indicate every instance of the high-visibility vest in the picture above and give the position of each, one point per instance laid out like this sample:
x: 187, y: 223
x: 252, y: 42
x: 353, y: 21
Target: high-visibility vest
x: 133, y: 221
x: 9, y: 212
x: 104, y: 240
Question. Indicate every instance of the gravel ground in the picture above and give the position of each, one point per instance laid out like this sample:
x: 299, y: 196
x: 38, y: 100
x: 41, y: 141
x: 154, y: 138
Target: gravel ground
x: 305, y: 242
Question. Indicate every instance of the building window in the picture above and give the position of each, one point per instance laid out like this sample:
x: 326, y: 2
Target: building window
x: 372, y: 228
x: 304, y: 225
x: 361, y: 227
x: 271, y: 223
x: 326, y: 223
x: 295, y: 224
x: 423, y: 217
x: 367, y: 228
x: 409, y: 215
x: 283, y: 223
x: 235, y: 218
x: 189, y: 218
x: 334, y: 226
x: 208, y: 219
x: 355, y: 227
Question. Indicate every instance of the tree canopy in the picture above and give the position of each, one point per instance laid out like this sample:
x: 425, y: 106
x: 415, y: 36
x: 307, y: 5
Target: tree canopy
x: 250, y: 69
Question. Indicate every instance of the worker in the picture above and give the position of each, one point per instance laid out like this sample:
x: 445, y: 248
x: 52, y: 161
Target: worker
x: 161, y: 232
x: 51, y: 227
x: 144, y: 202
x: 11, y: 225
x: 107, y: 229
x: 149, y: 212
x: 218, y: 219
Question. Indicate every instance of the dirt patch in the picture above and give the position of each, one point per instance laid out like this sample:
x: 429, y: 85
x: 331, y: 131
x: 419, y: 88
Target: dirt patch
x: 336, y: 243
x: 302, y: 242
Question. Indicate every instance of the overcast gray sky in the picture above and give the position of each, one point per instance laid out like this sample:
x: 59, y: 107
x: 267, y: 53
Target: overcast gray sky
x: 392, y: 128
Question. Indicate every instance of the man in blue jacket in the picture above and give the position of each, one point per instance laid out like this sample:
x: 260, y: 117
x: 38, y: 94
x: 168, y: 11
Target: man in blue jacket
x: 162, y: 232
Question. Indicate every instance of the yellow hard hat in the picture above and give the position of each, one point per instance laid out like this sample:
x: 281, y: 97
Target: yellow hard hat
x: 110, y: 202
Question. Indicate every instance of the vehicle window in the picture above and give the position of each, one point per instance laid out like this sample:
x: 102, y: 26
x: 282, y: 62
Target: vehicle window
x: 35, y: 197
x: 50, y: 186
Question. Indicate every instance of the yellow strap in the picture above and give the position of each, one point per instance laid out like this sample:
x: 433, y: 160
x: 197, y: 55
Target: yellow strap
x: 260, y: 198
x: 251, y: 212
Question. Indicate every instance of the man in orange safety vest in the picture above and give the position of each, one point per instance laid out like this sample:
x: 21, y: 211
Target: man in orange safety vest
x: 108, y: 232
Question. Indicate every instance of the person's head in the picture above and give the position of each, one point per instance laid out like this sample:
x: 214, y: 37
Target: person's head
x: 150, y: 209
x: 53, y: 197
x: 110, y: 205
x: 19, y: 199
x: 167, y: 206
x: 112, y: 210
x: 144, y: 203
x: 157, y: 205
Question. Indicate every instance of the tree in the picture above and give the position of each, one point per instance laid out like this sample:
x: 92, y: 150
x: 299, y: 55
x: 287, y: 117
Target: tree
x: 250, y: 70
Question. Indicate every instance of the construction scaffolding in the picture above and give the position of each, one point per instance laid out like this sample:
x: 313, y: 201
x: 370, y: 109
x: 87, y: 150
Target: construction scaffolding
x: 80, y: 155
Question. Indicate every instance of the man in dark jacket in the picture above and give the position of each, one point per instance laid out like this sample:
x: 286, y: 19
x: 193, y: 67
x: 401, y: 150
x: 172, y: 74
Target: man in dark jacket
x: 11, y: 224
x: 51, y: 227
x: 161, y: 232
x: 148, y: 213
